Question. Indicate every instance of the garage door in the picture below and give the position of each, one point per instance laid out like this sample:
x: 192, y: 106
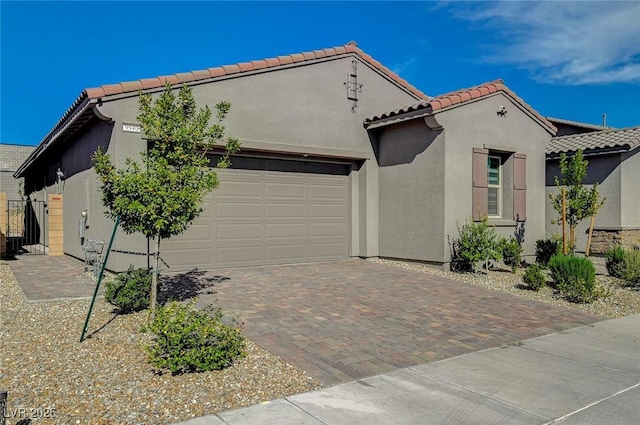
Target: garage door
x: 265, y: 212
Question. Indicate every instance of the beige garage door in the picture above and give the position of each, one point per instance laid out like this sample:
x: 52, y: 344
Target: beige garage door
x: 268, y: 212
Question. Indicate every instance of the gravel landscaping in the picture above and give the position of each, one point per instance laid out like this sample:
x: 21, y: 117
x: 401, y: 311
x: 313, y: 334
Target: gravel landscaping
x: 621, y: 300
x: 106, y: 379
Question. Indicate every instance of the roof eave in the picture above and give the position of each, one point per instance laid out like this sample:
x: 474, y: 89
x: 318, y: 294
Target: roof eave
x: 83, y: 106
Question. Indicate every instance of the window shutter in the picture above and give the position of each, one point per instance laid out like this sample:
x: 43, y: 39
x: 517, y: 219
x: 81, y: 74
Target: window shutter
x: 520, y: 187
x: 480, y: 187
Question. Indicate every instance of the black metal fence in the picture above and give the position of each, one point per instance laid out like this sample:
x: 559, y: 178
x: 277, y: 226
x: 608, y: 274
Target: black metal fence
x: 26, y: 227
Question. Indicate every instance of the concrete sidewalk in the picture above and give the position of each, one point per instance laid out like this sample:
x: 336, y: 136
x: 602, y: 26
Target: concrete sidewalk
x: 587, y: 375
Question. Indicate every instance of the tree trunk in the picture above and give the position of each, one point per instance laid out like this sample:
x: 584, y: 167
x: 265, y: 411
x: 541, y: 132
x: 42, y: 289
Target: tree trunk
x: 154, y: 282
x: 572, y: 240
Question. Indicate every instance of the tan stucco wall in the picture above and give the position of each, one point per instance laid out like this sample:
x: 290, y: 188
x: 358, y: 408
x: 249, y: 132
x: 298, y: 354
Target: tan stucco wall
x: 605, y: 169
x: 478, y: 125
x: 302, y: 106
x: 411, y: 161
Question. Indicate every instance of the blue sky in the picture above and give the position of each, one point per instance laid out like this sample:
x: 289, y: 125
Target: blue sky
x: 573, y: 60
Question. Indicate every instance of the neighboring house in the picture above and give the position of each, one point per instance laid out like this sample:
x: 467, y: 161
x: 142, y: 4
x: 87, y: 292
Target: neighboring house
x: 322, y: 174
x: 11, y: 156
x: 614, y: 162
x: 567, y: 127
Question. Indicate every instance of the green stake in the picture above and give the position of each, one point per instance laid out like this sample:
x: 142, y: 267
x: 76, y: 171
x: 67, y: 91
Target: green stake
x: 95, y: 293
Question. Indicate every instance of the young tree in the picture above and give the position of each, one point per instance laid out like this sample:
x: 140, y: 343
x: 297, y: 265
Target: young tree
x: 161, y: 195
x: 581, y: 202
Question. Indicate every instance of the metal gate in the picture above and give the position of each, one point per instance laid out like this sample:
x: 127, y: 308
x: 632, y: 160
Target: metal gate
x: 26, y: 227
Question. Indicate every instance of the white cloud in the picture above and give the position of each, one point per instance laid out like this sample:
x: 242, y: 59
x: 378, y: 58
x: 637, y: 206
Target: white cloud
x: 573, y: 43
x: 406, y: 68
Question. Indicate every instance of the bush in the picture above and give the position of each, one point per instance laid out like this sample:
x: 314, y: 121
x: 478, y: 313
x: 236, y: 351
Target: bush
x: 575, y: 277
x: 512, y: 253
x: 476, y: 242
x: 191, y: 340
x: 547, y: 248
x: 631, y: 271
x: 130, y: 290
x: 534, y: 278
x: 615, y: 262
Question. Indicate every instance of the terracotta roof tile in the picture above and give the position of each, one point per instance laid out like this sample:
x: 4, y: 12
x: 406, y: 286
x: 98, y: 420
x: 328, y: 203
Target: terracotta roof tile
x: 272, y: 62
x: 110, y: 89
x: 443, y: 101
x: 149, y: 83
x: 172, y: 79
x: 285, y: 60
x: 216, y: 72
x: 340, y: 50
x: 309, y: 56
x: 131, y: 86
x: 320, y: 54
x: 297, y: 57
x: 259, y: 64
x: 231, y: 69
x: 627, y: 139
x: 330, y: 51
x: 245, y: 66
x: 201, y: 74
x: 95, y: 92
x: 184, y: 77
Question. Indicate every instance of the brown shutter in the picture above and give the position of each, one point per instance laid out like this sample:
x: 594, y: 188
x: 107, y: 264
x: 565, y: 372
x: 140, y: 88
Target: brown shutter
x: 519, y: 187
x: 480, y: 187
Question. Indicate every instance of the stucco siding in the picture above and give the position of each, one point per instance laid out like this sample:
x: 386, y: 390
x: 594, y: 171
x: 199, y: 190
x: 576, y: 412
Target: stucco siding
x: 293, y: 108
x: 607, y: 171
x: 411, y: 161
x: 630, y: 190
x: 478, y: 125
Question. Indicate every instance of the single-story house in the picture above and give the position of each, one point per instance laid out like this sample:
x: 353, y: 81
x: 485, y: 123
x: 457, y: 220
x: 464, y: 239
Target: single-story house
x: 614, y: 162
x: 324, y: 173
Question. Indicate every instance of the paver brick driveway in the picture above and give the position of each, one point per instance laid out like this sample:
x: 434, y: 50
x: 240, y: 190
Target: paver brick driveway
x: 346, y: 320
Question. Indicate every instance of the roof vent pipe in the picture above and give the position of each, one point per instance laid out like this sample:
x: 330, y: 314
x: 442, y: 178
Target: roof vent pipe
x: 604, y: 120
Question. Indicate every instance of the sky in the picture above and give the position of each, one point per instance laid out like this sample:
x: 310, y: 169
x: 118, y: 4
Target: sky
x: 571, y: 60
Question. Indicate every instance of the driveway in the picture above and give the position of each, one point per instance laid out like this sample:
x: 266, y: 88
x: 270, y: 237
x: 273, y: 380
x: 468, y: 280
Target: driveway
x: 342, y: 321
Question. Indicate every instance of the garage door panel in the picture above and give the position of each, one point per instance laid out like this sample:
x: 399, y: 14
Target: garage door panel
x: 337, y: 211
x: 285, y: 253
x: 238, y: 210
x: 238, y: 189
x: 239, y: 256
x: 327, y: 251
x: 328, y: 192
x: 337, y: 229
x: 180, y: 259
x: 240, y: 231
x: 285, y: 230
x: 274, y: 215
x: 281, y: 210
x: 285, y: 190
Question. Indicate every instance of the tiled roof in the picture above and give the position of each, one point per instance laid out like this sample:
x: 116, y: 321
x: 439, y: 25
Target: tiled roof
x: 445, y: 101
x: 220, y: 71
x: 628, y: 139
x: 576, y: 123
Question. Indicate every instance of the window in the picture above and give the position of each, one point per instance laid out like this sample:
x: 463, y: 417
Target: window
x: 494, y: 183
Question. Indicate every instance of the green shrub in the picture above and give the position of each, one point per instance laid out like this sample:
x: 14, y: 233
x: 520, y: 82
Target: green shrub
x: 615, y: 262
x: 191, y: 340
x: 547, y: 248
x: 534, y: 278
x: 129, y: 291
x: 512, y: 253
x: 476, y: 242
x: 631, y: 271
x: 575, y: 277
